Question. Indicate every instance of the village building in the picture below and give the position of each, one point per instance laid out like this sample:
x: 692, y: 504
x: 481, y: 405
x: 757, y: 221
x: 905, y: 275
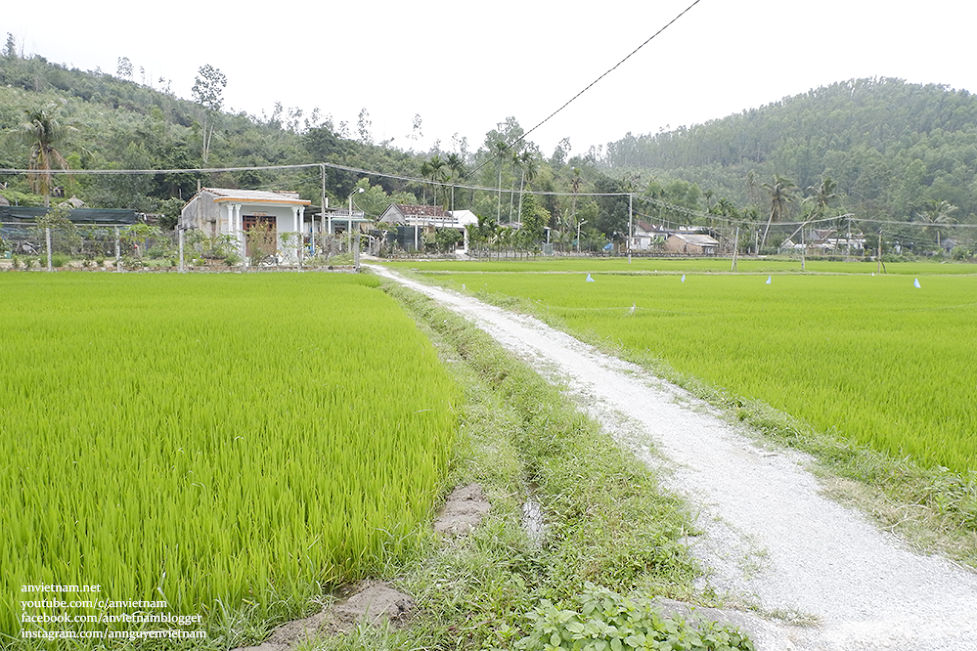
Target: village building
x: 416, y: 221
x: 647, y: 237
x: 224, y: 211
x: 691, y: 244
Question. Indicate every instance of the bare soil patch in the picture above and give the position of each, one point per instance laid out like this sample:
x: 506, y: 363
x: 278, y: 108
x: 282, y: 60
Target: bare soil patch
x: 370, y: 602
x: 462, y: 511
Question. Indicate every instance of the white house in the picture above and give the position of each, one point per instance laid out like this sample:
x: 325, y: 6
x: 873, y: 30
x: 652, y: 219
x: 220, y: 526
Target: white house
x: 648, y: 236
x: 464, y: 219
x: 222, y: 211
x: 427, y: 219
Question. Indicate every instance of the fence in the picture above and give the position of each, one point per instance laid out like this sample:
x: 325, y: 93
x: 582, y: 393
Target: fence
x: 140, y: 246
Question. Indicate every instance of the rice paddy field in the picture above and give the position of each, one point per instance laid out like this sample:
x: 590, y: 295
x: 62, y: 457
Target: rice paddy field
x: 217, y: 442
x: 679, y: 265
x: 871, y: 358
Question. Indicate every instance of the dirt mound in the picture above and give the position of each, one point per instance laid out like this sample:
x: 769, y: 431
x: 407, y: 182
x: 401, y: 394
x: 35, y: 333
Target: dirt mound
x: 462, y: 511
x: 372, y: 602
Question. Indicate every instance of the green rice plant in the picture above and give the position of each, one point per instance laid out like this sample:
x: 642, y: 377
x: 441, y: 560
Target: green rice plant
x: 653, y: 265
x: 220, y: 442
x: 872, y: 359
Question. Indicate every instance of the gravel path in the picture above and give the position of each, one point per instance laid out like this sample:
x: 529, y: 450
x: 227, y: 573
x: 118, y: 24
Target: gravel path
x: 772, y: 541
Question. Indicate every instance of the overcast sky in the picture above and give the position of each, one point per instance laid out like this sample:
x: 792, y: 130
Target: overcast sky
x: 464, y: 69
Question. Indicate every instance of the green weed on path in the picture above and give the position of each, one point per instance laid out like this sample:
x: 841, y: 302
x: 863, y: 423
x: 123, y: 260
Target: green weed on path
x: 607, y: 521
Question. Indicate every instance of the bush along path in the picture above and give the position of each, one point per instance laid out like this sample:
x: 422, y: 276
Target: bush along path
x: 821, y: 575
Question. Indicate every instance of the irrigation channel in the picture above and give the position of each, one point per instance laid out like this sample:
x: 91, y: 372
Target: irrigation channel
x: 820, y: 574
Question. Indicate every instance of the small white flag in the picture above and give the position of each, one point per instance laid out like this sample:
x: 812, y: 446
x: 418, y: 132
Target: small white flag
x: 769, y: 280
x: 683, y: 278
x: 916, y: 283
x: 589, y: 279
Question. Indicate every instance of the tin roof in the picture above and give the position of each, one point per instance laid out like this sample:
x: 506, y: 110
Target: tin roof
x: 223, y: 195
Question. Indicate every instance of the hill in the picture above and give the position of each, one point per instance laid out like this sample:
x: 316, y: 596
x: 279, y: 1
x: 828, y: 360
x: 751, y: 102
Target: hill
x: 116, y: 123
x: 890, y: 150
x: 891, y: 147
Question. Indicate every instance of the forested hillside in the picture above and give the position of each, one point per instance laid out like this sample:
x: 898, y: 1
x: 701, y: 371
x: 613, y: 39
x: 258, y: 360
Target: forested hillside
x: 892, y: 149
x: 110, y: 122
x: 874, y: 149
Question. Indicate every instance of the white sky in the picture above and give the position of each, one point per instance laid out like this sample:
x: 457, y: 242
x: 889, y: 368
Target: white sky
x: 466, y: 66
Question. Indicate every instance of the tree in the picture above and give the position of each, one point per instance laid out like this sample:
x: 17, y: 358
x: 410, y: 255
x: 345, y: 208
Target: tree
x: 752, y: 215
x: 482, y: 235
x: 529, y: 168
x: 499, y: 148
x: 137, y: 235
x: 575, y: 183
x: 124, y: 69
x: 10, y: 49
x: 534, y: 219
x: 208, y: 92
x: 363, y: 127
x: 823, y: 194
x: 416, y: 132
x: 561, y: 152
x: 937, y: 216
x: 44, y: 132
x: 436, y: 170
x: 456, y: 167
x: 781, y: 193
x: 446, y: 239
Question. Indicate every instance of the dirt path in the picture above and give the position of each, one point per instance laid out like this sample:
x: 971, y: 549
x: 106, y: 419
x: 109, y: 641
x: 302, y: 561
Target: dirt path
x: 772, y: 541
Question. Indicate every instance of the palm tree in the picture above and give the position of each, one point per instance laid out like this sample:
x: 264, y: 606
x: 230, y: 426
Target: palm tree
x: 824, y: 193
x: 937, y: 216
x: 456, y: 166
x: 781, y: 193
x: 44, y: 132
x: 752, y: 215
x: 436, y: 170
x: 708, y: 194
x: 499, y: 148
x: 752, y: 186
x: 575, y: 183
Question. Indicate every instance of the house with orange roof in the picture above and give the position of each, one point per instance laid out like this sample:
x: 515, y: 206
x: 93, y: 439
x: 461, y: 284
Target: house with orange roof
x: 232, y: 212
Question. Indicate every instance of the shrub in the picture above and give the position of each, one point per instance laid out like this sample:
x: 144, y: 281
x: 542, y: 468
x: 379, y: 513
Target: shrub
x: 606, y: 620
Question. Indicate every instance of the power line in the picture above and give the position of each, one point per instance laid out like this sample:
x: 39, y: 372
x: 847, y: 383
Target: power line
x: 588, y: 87
x: 609, y: 71
x: 344, y: 168
x: 363, y: 172
x: 746, y: 222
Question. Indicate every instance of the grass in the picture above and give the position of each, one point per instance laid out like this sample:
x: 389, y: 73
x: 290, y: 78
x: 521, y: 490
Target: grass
x: 231, y: 444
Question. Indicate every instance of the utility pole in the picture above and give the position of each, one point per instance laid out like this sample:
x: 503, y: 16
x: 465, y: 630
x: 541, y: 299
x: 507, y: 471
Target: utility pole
x: 803, y: 247
x: 736, y: 245
x: 878, y: 266
x: 630, y: 223
x: 322, y: 206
